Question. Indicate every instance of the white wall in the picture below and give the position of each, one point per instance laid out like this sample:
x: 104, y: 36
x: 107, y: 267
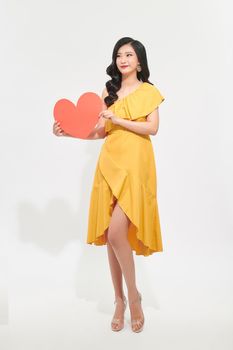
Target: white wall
x: 56, y: 291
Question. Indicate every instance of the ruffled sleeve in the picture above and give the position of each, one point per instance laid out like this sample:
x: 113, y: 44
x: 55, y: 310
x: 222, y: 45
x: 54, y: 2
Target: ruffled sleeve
x: 143, y: 101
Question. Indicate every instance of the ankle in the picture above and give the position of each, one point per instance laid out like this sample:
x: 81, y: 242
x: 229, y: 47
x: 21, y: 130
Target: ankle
x: 136, y: 300
x: 119, y: 297
x: 133, y: 294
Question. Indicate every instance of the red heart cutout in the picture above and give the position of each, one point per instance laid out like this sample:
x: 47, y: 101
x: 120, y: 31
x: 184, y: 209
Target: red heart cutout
x: 79, y: 120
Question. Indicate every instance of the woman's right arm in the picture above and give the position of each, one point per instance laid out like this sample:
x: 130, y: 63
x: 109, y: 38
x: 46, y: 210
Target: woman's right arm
x: 97, y: 133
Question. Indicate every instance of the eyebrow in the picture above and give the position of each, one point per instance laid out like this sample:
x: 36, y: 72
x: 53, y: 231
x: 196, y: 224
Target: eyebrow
x: 126, y: 52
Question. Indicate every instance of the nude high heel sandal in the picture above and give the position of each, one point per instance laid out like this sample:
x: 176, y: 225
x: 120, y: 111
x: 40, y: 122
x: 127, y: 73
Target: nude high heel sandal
x: 119, y: 321
x: 140, y: 321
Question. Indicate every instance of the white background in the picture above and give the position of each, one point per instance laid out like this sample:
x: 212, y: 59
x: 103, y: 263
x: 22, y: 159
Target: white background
x: 56, y: 291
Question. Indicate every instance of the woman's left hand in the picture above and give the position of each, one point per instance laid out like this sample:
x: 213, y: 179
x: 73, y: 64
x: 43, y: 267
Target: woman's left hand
x: 109, y: 115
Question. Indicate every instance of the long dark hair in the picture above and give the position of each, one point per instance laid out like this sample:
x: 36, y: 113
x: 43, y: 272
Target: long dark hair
x: 114, y: 84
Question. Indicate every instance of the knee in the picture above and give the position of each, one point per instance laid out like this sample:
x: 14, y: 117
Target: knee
x: 113, y: 237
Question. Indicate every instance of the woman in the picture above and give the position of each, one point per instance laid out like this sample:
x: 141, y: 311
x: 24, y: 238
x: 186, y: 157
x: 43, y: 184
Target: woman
x: 123, y: 212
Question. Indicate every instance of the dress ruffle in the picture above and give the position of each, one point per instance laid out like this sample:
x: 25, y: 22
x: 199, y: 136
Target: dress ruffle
x: 151, y: 97
x: 129, y: 108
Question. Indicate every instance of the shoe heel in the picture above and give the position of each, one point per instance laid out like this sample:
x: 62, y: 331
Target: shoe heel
x: 137, y: 321
x: 117, y: 320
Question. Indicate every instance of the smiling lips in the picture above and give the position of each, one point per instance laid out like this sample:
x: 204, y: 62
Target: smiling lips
x: 124, y: 66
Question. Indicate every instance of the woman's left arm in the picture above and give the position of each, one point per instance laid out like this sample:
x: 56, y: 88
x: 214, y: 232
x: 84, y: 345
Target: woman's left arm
x: 149, y: 127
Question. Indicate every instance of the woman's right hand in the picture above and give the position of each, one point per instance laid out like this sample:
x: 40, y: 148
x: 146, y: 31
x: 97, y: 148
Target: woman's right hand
x: 57, y: 130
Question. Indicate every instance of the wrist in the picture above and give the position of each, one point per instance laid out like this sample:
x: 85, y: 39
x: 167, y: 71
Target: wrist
x: 116, y: 120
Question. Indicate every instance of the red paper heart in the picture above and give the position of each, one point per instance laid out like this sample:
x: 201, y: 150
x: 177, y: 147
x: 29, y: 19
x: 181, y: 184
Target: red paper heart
x: 79, y: 120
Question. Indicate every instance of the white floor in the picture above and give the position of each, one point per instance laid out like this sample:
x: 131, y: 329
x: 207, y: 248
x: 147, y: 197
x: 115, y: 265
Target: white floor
x: 184, y: 316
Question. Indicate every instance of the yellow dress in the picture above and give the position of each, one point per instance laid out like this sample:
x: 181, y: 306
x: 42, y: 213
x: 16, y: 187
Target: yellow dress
x: 126, y: 170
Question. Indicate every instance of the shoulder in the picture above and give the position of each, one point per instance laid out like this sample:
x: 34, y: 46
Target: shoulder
x: 104, y: 93
x: 102, y: 120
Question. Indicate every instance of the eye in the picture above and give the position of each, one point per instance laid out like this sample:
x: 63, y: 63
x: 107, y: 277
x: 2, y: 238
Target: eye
x: 126, y: 55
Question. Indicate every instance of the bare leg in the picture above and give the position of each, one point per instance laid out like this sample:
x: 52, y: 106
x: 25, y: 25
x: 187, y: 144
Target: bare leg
x: 115, y: 272
x: 117, y: 238
x: 118, y: 286
x: 117, y: 280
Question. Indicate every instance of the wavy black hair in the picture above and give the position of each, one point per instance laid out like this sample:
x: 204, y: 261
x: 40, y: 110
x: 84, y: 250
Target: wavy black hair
x: 114, y: 84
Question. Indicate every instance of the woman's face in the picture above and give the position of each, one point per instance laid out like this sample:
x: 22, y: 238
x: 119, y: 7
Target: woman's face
x: 126, y: 59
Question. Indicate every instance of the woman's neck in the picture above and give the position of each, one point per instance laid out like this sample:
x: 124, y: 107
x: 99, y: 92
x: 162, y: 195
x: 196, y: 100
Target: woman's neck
x: 129, y: 81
